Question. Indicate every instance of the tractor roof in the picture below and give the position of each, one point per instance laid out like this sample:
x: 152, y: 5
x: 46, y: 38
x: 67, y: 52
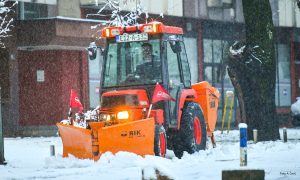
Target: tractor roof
x: 150, y: 28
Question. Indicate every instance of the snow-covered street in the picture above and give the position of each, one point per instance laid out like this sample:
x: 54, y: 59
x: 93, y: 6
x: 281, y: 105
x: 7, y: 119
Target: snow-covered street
x: 29, y: 158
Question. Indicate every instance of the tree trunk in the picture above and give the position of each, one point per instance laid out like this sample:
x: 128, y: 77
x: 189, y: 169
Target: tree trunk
x: 252, y: 70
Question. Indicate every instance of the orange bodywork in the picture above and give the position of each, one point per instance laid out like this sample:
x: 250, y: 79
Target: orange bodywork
x: 135, y: 111
x: 156, y: 28
x: 208, y: 98
x: 135, y: 136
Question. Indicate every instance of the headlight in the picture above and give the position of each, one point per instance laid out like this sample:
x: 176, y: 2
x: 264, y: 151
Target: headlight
x: 105, y: 117
x: 108, y: 117
x: 123, y: 115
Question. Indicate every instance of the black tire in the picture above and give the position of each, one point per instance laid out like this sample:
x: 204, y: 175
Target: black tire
x: 160, y: 141
x: 191, y: 136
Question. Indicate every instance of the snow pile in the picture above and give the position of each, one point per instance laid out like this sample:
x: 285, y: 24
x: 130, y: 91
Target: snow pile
x: 29, y: 158
x: 82, y: 118
x: 295, y: 108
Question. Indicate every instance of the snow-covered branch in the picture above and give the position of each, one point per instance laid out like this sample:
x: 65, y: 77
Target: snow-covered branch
x: 5, y: 20
x: 248, y: 55
x: 236, y: 51
x: 117, y: 18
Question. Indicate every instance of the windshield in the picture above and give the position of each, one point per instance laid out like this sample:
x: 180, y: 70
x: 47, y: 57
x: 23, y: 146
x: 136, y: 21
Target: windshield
x: 132, y: 63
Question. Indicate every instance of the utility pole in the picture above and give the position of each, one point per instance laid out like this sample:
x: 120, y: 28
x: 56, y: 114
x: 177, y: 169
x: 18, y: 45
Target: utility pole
x: 2, y: 160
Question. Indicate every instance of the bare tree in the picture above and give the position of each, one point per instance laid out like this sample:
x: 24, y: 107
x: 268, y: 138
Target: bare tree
x: 5, y: 20
x: 118, y: 17
x: 252, y: 70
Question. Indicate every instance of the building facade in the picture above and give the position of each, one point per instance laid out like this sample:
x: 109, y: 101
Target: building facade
x: 46, y: 55
x: 44, y: 58
x: 223, y: 24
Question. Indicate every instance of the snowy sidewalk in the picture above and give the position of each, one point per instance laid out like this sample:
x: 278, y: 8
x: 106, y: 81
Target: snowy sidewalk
x: 29, y: 158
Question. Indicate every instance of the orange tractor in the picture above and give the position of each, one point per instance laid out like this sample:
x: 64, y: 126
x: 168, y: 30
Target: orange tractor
x: 136, y: 59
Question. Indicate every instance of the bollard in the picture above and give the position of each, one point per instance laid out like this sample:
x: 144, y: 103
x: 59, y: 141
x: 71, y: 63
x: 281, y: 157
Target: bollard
x: 2, y: 159
x: 254, y: 136
x: 284, y: 135
x: 224, y: 113
x: 243, y: 144
x: 52, y: 150
x: 230, y: 94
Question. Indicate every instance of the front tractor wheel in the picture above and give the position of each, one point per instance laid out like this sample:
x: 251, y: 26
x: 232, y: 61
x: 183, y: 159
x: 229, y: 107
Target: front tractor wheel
x: 192, y: 134
x: 160, y: 141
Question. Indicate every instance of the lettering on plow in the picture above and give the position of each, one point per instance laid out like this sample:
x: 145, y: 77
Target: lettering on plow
x: 124, y: 133
x: 135, y: 133
x: 132, y: 133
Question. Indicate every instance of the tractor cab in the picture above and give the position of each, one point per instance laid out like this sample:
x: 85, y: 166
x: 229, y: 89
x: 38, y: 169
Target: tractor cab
x: 138, y: 57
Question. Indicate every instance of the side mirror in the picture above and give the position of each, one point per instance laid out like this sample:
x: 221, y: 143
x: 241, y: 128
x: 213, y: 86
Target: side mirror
x: 175, y: 46
x: 92, y: 51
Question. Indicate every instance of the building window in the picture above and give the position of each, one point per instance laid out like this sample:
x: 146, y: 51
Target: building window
x: 283, y: 78
x: 36, y: 10
x: 215, y: 57
x: 222, y: 10
x: 215, y: 53
x: 287, y: 10
x: 214, y: 3
x: 219, y: 3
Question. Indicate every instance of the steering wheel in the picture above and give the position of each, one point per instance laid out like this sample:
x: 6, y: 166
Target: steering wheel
x: 131, y: 78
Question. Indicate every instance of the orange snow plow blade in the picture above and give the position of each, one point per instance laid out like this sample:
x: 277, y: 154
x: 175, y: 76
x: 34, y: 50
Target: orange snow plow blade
x: 136, y: 137
x: 76, y: 141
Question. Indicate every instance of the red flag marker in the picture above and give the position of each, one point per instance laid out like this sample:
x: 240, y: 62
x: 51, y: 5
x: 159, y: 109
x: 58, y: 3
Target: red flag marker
x: 74, y: 101
x: 159, y: 94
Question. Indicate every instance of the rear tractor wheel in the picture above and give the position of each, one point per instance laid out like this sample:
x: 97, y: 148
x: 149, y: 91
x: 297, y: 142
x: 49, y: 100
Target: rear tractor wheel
x: 192, y: 134
x: 160, y: 141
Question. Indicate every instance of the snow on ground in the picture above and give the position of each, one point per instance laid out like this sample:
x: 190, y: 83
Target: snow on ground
x: 29, y: 158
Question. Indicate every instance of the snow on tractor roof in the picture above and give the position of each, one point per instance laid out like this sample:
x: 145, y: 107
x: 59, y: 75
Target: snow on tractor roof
x: 149, y: 28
